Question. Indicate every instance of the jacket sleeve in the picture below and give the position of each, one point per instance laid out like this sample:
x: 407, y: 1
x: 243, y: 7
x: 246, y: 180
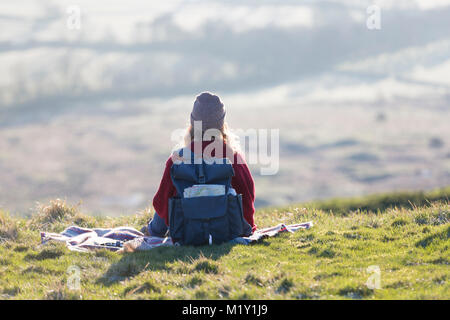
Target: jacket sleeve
x: 243, y: 183
x: 165, y: 191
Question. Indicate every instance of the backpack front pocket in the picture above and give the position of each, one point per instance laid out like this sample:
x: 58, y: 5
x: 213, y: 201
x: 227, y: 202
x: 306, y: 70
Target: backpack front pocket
x: 204, y: 207
x: 206, y: 220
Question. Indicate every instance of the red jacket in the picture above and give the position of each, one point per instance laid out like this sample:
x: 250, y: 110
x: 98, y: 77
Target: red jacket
x: 242, y: 182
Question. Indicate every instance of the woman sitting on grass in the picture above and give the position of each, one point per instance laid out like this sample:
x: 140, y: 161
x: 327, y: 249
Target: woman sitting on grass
x: 211, y: 112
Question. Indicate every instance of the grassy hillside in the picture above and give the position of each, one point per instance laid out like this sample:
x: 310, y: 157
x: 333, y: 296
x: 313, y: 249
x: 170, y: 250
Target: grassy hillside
x: 381, y: 202
x: 405, y: 247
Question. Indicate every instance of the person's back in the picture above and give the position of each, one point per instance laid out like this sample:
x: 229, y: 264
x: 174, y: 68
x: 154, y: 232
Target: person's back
x: 206, y: 208
x: 208, y: 138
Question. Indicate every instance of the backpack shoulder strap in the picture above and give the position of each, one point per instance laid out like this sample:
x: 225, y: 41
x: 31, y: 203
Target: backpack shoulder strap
x: 201, y: 173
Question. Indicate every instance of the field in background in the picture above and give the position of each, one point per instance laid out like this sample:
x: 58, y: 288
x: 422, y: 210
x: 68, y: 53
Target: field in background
x: 88, y: 114
x: 401, y: 252
x: 113, y: 160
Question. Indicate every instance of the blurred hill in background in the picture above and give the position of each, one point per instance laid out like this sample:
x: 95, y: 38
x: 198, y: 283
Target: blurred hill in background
x: 87, y: 114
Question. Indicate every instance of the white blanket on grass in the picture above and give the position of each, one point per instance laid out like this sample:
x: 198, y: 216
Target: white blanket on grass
x: 129, y: 239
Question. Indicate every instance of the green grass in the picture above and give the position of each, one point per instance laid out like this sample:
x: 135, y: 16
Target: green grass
x: 381, y: 202
x: 409, y: 246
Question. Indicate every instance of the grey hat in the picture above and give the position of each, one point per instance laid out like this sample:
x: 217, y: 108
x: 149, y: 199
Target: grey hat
x: 210, y: 110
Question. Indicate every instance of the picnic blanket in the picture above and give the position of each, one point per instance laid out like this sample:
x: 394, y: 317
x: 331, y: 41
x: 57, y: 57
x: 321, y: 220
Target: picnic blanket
x: 127, y: 239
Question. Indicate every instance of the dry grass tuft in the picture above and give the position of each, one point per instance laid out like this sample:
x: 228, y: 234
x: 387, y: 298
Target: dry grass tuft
x: 57, y: 215
x: 8, y: 227
x: 56, y: 210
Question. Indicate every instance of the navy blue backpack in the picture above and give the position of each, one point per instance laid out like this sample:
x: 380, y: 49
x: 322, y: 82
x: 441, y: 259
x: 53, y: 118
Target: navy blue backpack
x: 205, y: 219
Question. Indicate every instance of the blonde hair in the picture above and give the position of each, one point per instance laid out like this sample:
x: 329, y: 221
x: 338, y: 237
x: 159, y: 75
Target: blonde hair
x: 230, y: 139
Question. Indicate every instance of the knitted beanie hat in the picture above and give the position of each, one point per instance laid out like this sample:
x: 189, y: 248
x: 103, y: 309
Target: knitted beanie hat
x: 210, y: 110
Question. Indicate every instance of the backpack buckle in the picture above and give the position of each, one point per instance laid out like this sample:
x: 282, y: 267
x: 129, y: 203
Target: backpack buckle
x: 201, y: 174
